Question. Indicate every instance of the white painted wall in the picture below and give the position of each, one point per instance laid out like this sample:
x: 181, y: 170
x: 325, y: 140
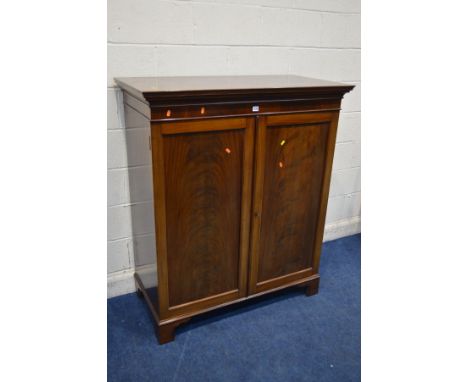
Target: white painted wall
x: 315, y: 38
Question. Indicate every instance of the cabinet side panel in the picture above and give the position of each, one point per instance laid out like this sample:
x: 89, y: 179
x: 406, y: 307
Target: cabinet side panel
x: 294, y: 170
x: 140, y: 195
x: 203, y: 187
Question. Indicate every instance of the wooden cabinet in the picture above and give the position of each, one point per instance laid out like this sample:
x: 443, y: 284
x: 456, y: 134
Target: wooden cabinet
x: 241, y: 172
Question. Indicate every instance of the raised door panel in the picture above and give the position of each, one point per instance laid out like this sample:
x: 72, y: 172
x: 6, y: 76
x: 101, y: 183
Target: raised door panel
x: 293, y: 163
x: 207, y: 171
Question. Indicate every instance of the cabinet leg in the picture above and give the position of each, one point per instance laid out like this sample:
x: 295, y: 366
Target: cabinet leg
x: 313, y: 287
x: 166, y: 332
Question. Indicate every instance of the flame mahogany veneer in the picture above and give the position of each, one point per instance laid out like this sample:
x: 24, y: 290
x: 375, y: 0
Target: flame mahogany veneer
x: 241, y: 173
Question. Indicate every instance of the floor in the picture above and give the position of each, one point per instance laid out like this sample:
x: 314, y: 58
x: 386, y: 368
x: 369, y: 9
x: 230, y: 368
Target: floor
x: 283, y: 337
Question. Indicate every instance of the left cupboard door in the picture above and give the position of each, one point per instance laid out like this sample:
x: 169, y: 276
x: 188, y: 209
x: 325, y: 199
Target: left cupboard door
x: 202, y: 175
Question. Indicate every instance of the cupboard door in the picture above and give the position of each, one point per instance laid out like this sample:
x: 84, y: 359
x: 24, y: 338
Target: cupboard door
x: 294, y: 154
x: 202, y: 177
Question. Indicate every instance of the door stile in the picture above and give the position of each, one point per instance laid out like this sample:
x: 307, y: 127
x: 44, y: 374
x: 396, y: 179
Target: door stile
x: 160, y: 218
x: 247, y: 174
x: 325, y: 191
x: 259, y: 165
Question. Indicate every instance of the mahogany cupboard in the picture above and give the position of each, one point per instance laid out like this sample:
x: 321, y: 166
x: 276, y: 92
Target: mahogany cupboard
x: 241, y: 172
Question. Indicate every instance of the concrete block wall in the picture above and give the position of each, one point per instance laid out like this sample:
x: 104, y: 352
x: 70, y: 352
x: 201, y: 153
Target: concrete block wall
x: 315, y: 38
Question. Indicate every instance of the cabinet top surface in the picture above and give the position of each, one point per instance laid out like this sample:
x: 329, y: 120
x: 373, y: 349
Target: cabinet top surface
x: 145, y: 87
x: 170, y: 84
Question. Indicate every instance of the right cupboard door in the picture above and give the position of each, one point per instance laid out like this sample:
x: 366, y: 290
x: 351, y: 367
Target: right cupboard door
x: 293, y: 160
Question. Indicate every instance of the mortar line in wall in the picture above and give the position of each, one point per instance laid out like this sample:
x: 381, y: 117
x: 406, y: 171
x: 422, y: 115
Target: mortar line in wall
x: 119, y: 239
x: 124, y: 237
x: 211, y: 3
x: 156, y: 44
x: 344, y: 195
x: 344, y: 169
x: 129, y: 167
x: 345, y: 142
x: 131, y: 237
x: 128, y: 128
x: 144, y: 234
x: 123, y: 271
x: 130, y: 204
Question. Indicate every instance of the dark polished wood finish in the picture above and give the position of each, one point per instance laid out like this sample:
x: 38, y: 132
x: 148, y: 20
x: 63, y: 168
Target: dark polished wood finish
x: 291, y: 156
x: 190, y: 90
x: 241, y: 173
x: 203, y: 173
x: 294, y: 159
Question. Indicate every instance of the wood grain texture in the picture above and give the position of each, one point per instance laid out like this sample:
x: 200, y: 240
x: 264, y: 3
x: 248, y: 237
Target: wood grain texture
x: 291, y: 192
x: 202, y: 111
x: 184, y: 90
x: 201, y: 125
x: 203, y: 172
x: 290, y: 166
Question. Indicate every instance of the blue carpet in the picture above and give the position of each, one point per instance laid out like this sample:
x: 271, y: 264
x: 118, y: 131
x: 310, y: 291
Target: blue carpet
x: 282, y: 337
